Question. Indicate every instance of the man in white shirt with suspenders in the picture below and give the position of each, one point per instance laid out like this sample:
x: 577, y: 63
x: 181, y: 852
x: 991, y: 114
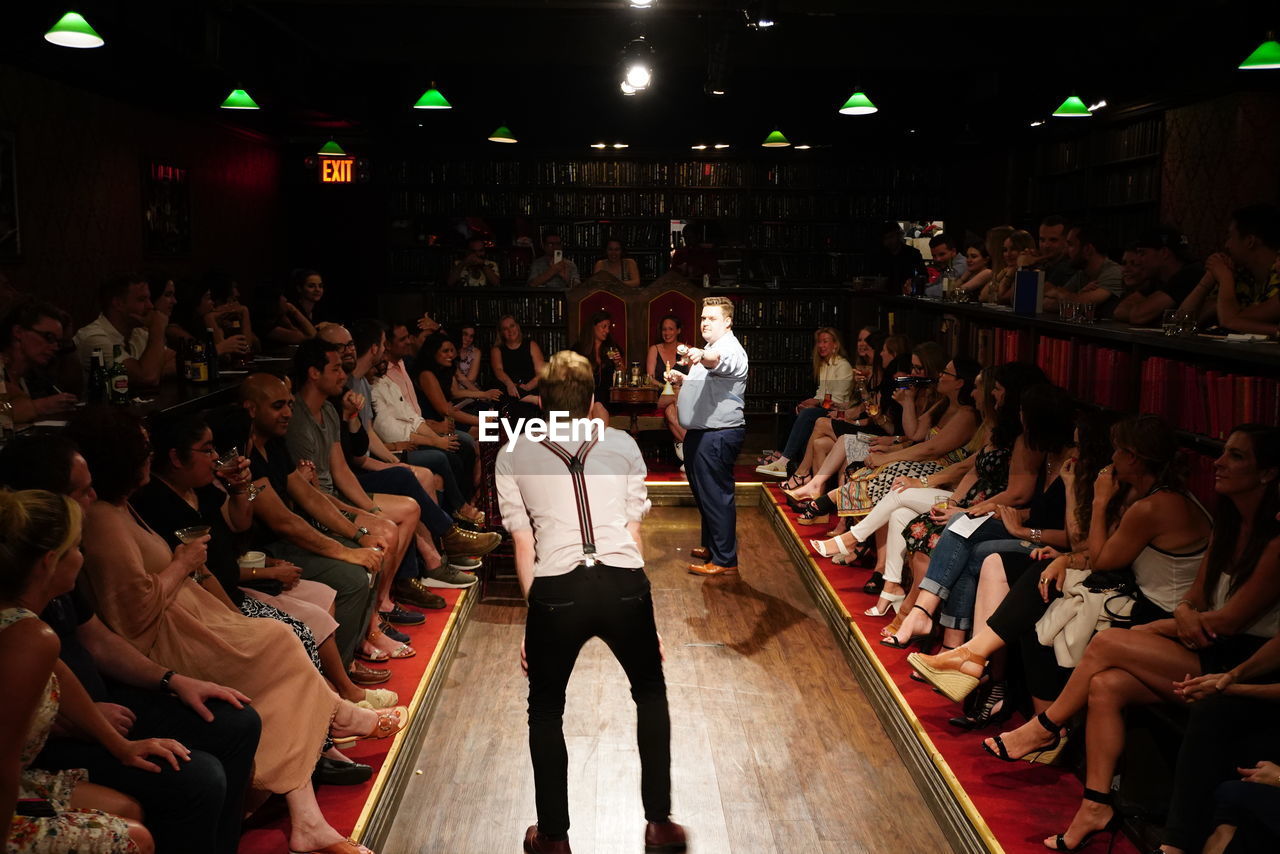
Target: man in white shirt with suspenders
x: 573, y: 510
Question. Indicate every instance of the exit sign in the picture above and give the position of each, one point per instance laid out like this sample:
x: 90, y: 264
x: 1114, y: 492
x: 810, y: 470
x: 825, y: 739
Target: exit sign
x: 337, y: 170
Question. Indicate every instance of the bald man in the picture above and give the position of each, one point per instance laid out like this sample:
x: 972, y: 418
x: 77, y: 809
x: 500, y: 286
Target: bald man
x: 338, y: 561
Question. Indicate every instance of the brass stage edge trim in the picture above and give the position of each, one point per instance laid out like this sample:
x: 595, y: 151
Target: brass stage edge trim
x: 956, y: 814
x: 383, y: 803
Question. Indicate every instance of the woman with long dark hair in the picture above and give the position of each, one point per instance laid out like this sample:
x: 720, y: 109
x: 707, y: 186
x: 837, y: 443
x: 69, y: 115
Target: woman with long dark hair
x: 597, y: 344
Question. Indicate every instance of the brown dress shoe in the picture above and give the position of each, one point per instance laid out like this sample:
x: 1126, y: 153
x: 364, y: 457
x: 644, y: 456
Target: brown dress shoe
x: 665, y: 836
x: 701, y: 552
x: 536, y: 843
x: 363, y: 675
x: 460, y: 541
x: 712, y: 569
x: 411, y: 591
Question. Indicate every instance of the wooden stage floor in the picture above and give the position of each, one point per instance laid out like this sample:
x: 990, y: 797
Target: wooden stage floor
x: 774, y: 746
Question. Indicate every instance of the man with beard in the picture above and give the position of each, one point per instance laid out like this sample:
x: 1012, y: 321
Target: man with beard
x: 29, y: 337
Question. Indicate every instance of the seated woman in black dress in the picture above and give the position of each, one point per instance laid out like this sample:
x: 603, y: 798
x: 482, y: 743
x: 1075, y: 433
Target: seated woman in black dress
x: 596, y: 343
x: 516, y: 361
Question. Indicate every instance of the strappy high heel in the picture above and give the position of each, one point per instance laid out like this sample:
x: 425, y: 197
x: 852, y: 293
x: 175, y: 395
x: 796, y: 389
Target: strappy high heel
x: 811, y: 516
x: 891, y: 600
x: 820, y: 546
x: 892, y: 640
x: 1111, y: 827
x: 981, y: 707
x: 794, y: 482
x: 1052, y: 749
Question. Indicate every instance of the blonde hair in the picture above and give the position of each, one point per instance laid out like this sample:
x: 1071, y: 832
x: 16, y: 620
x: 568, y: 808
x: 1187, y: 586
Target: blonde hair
x: 839, y: 351
x: 995, y: 246
x: 566, y: 384
x: 33, y: 523
x: 726, y: 306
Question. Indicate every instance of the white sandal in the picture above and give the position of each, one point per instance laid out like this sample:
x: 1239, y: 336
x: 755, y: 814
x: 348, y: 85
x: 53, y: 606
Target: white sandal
x: 820, y: 546
x: 892, y: 600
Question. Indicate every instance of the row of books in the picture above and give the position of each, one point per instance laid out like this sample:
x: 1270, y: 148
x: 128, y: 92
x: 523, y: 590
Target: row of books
x: 632, y: 234
x: 1139, y: 139
x: 458, y: 304
x: 1137, y: 183
x: 773, y: 346
x: 1096, y: 374
x: 806, y: 268
x: 862, y: 173
x: 1207, y: 401
x: 787, y: 382
x: 433, y: 263
x: 760, y: 311
x: 828, y: 236
x: 500, y: 202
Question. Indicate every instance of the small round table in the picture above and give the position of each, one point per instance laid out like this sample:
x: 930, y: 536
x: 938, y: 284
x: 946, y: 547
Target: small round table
x: 632, y: 401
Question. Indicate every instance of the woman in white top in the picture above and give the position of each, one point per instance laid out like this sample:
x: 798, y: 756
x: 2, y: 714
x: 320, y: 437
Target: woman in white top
x: 834, y: 373
x: 616, y: 263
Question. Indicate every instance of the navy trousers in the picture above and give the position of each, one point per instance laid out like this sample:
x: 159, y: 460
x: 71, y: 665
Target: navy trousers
x: 709, y: 456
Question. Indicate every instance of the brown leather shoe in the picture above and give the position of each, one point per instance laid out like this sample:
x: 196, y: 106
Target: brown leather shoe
x: 460, y: 541
x: 701, y: 552
x: 364, y: 675
x: 536, y: 843
x: 411, y: 591
x: 665, y: 836
x: 712, y: 569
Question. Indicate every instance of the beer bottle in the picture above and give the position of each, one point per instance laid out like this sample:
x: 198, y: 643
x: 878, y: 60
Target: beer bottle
x: 118, y: 378
x: 96, y: 392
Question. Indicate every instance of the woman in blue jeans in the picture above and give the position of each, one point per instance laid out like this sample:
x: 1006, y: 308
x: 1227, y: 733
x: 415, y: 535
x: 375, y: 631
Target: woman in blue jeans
x: 951, y: 583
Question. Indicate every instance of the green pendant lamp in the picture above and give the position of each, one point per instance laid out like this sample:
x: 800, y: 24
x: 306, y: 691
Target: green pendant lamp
x: 858, y: 105
x: 1267, y: 56
x: 775, y: 140
x: 1072, y: 108
x: 502, y: 134
x: 239, y: 100
x: 432, y: 99
x: 72, y: 30
x: 331, y: 149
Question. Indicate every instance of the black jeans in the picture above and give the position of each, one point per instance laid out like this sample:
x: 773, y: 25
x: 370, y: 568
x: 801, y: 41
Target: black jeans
x: 565, y: 611
x: 195, y: 809
x: 1223, y: 734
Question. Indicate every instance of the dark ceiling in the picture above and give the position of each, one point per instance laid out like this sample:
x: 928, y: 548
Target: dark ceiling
x: 981, y: 70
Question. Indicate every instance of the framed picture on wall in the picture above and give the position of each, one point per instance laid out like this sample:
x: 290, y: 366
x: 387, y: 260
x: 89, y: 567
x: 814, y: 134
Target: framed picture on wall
x: 166, y: 209
x: 10, y: 236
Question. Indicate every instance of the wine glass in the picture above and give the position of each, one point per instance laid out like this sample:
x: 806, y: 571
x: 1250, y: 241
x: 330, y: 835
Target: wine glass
x: 228, y: 463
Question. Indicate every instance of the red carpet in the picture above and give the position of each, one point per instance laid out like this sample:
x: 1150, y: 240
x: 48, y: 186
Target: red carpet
x: 1021, y: 803
x: 266, y: 832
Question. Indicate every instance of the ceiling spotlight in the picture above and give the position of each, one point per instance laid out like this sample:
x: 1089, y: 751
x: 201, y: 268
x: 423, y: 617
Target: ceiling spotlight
x: 803, y: 147
x: 1267, y: 56
x: 641, y: 4
x: 621, y: 145
x: 599, y: 145
x: 763, y: 15
x: 432, y: 99
x: 1037, y: 123
x: 702, y: 146
x: 720, y: 145
x: 717, y: 91
x: 858, y: 105
x: 239, y: 100
x: 627, y: 88
x: 72, y: 30
x: 1093, y: 108
x: 637, y: 65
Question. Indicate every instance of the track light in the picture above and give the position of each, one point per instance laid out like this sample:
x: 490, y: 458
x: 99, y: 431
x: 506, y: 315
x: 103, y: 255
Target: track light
x: 641, y: 4
x: 627, y: 88
x: 721, y: 145
x: 762, y: 15
x: 637, y: 66
x: 702, y: 146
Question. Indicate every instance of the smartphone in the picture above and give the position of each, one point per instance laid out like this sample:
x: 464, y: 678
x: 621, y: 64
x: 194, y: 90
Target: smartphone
x: 557, y: 256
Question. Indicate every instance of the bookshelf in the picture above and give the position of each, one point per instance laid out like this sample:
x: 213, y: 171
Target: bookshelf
x: 1203, y: 386
x: 1109, y: 177
x: 804, y: 223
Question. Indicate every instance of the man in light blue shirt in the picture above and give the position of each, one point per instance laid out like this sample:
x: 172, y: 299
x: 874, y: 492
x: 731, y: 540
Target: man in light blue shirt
x: 948, y: 261
x: 710, y: 409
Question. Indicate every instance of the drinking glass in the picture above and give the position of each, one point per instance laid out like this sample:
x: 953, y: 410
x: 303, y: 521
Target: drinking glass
x: 189, y: 535
x: 228, y: 463
x: 1169, y: 321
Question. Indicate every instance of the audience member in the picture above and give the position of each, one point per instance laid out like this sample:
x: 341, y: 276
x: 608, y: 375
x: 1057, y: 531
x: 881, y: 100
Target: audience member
x: 978, y: 272
x: 698, y: 260
x: 30, y: 333
x: 516, y: 361
x: 306, y: 291
x: 1051, y: 253
x: 39, y: 560
x: 467, y: 392
x: 279, y: 320
x: 947, y: 260
x: 618, y: 264
x: 474, y: 270
x: 834, y: 376
x: 894, y: 260
x: 152, y: 597
x: 552, y: 269
x: 1000, y: 289
x: 660, y: 358
x: 126, y: 306
x: 597, y: 344
x: 1169, y: 274
x: 1097, y: 280
x: 1244, y: 276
